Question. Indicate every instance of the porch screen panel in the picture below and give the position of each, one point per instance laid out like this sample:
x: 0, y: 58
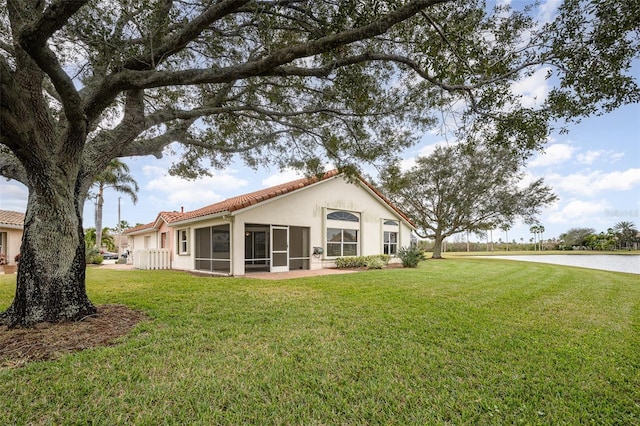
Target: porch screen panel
x: 213, y: 249
x: 221, y: 249
x: 203, y: 249
x: 299, y: 251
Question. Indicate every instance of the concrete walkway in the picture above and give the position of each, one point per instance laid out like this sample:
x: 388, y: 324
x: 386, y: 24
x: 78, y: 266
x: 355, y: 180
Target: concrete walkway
x: 298, y: 273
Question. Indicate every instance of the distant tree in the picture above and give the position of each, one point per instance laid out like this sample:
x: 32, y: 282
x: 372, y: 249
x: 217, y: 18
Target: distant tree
x: 115, y: 176
x: 626, y: 232
x: 107, y: 239
x: 576, y: 237
x: 477, y: 194
x: 505, y: 227
x: 534, y: 230
x: 541, y: 230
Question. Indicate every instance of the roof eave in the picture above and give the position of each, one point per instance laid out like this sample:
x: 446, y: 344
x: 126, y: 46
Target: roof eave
x: 200, y: 218
x: 11, y: 226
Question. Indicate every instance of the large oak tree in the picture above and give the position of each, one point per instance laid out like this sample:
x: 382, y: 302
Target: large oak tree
x: 291, y: 82
x: 465, y: 187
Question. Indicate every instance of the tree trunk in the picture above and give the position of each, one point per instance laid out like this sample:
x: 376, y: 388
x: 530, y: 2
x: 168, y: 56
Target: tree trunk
x: 437, y: 246
x: 51, y: 272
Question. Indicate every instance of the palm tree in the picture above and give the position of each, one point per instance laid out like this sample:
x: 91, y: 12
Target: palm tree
x: 116, y: 176
x: 626, y: 233
x: 106, y: 240
x: 541, y: 231
x: 534, y: 230
x: 505, y: 227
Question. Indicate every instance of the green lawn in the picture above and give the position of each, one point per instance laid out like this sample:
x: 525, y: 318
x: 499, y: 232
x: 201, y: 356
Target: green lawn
x: 464, y: 341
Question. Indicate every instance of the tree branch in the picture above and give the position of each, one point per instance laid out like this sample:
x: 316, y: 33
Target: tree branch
x: 190, y: 31
x: 11, y: 167
x: 130, y: 79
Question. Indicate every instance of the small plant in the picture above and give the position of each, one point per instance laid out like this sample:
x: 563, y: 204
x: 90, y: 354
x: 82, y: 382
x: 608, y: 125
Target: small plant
x: 3, y: 259
x: 369, y: 262
x: 410, y: 256
x: 373, y: 262
x: 17, y: 258
x: 92, y: 256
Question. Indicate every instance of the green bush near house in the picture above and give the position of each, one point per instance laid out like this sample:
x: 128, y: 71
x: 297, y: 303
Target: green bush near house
x: 410, y: 256
x: 370, y: 262
x: 93, y: 256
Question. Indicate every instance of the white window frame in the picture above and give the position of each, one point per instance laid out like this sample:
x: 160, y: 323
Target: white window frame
x: 390, y: 226
x: 183, y: 241
x: 352, y: 222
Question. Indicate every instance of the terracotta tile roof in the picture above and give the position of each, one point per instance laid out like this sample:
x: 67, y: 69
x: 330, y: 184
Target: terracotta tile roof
x: 8, y: 217
x: 168, y: 217
x: 252, y: 198
x: 246, y: 200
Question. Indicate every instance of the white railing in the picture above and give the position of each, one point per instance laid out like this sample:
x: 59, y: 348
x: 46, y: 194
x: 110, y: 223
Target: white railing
x: 152, y: 259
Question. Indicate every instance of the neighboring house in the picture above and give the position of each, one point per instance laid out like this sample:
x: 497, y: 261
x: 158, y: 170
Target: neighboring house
x: 304, y: 224
x: 11, y: 228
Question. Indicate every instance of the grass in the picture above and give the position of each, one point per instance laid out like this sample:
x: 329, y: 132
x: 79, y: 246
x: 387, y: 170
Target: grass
x: 463, y: 341
x: 538, y: 252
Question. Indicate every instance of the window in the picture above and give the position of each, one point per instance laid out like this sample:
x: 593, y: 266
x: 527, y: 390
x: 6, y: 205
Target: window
x: 344, y: 216
x: 183, y: 241
x: 213, y: 249
x: 390, y: 243
x: 342, y: 242
x: 342, y: 233
x: 391, y: 223
x: 164, y: 238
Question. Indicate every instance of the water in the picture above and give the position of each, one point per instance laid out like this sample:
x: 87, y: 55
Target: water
x: 606, y: 262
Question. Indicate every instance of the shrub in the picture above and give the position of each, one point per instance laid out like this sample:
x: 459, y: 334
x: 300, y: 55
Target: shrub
x: 92, y: 256
x: 410, y: 256
x: 369, y: 262
x: 374, y: 262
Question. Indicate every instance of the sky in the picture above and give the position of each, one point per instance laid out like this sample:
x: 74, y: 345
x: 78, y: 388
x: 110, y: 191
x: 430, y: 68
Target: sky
x: 594, y: 170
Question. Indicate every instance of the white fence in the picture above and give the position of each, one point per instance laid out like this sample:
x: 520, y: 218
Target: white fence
x: 152, y: 259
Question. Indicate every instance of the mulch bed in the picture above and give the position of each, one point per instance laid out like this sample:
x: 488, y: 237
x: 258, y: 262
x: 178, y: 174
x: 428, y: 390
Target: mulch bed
x: 48, y: 341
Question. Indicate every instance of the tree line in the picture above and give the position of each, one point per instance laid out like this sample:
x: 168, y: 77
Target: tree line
x: 622, y: 236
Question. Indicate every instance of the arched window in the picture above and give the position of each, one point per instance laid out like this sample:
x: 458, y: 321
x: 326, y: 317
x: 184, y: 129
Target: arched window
x: 344, y: 216
x: 391, y: 222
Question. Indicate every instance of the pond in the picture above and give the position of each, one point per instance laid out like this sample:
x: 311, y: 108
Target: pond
x: 606, y: 262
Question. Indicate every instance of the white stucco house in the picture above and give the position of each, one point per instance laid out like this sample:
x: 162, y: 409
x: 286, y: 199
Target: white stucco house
x: 11, y: 229
x: 304, y: 224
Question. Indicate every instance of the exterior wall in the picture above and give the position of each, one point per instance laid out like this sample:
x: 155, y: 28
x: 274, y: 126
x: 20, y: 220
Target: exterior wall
x: 308, y: 208
x: 13, y: 241
x: 187, y: 261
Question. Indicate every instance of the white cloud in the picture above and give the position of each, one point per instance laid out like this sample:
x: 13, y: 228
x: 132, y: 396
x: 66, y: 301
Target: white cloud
x: 282, y: 176
x: 533, y: 89
x: 13, y: 196
x: 579, y: 212
x: 548, y: 10
x: 600, y: 155
x: 596, y: 182
x: 590, y: 156
x: 174, y: 192
x: 554, y: 154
